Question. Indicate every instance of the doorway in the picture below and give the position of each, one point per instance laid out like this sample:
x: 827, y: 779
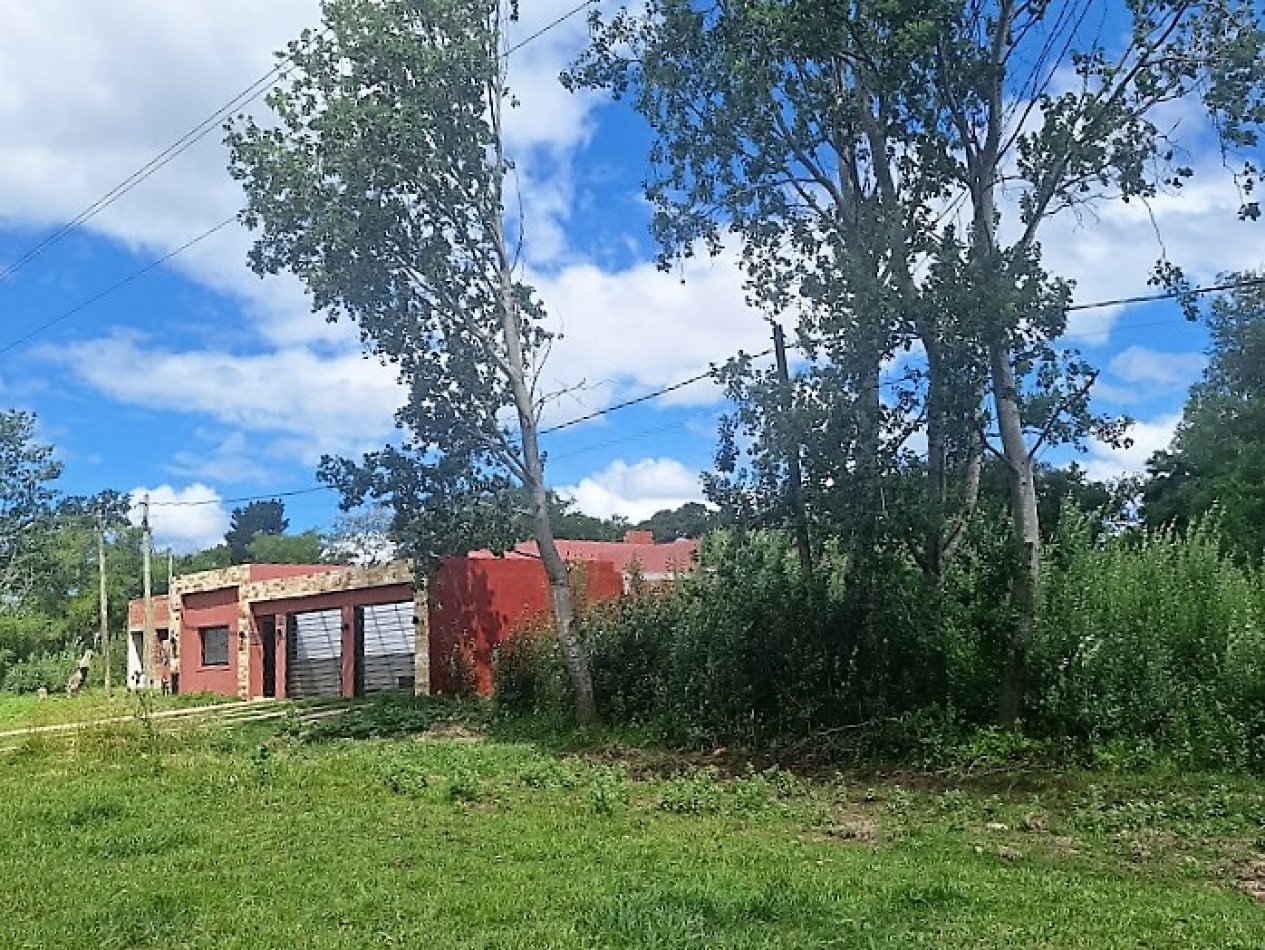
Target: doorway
x: 268, y: 638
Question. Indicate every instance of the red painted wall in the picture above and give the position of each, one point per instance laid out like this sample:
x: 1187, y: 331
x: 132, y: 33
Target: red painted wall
x: 214, y: 608
x: 476, y: 603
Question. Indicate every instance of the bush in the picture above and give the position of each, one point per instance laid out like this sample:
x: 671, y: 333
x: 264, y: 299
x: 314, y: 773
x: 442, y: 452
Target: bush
x: 1155, y: 638
x: 528, y: 676
x: 743, y: 650
x: 1149, y: 648
x: 48, y: 671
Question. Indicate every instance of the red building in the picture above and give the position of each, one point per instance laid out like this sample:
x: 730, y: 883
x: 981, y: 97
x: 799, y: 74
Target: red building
x: 299, y: 631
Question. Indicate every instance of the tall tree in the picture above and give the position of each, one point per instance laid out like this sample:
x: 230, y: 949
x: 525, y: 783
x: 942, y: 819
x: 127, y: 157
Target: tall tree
x: 1217, y: 459
x: 249, y: 522
x: 382, y: 185
x: 27, y: 470
x: 1061, y: 105
x: 692, y: 520
x: 838, y: 142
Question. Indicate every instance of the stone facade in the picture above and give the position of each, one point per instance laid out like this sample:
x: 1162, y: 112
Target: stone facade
x: 250, y: 589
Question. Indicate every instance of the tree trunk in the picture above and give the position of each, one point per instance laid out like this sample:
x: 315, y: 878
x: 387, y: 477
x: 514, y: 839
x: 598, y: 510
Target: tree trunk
x: 1027, y: 534
x: 573, y: 653
x: 574, y: 656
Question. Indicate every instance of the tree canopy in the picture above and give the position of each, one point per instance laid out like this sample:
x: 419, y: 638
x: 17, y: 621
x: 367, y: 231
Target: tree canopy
x: 251, y: 521
x: 886, y: 170
x: 381, y: 183
x: 1216, y: 463
x: 27, y: 471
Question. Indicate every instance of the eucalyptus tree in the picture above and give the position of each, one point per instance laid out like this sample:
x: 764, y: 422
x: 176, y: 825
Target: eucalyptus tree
x: 888, y: 166
x: 381, y: 183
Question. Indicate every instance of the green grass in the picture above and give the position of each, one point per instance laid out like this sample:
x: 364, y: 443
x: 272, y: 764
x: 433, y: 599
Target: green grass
x: 260, y: 838
x: 28, y: 711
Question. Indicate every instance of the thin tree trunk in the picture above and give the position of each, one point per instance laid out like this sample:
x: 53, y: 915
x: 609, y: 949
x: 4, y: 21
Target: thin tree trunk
x: 574, y: 656
x: 794, y: 475
x: 1027, y: 534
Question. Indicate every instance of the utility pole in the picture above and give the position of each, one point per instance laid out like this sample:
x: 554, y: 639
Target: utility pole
x: 149, y: 671
x: 105, y: 614
x: 795, y: 488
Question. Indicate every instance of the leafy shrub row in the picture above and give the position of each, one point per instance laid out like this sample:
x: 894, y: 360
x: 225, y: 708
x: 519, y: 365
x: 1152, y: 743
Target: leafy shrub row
x: 1149, y: 647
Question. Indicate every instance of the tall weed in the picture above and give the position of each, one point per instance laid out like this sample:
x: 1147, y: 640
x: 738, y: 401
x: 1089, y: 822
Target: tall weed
x: 1154, y: 637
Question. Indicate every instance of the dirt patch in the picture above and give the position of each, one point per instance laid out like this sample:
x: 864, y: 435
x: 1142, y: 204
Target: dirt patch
x: 1251, y: 878
x: 453, y: 732
x: 850, y: 829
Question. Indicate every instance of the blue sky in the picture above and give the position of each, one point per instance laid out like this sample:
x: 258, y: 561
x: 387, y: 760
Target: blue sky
x: 199, y: 382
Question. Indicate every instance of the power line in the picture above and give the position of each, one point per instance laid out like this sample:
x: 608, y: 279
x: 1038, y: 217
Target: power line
x: 130, y: 278
x: 155, y: 164
x: 699, y: 377
x: 639, y: 399
x: 199, y: 132
x: 547, y: 28
x: 1169, y: 294
x: 246, y: 498
x: 250, y: 93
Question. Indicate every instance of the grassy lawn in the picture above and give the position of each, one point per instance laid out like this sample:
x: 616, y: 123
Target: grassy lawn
x: 258, y: 837
x: 27, y: 711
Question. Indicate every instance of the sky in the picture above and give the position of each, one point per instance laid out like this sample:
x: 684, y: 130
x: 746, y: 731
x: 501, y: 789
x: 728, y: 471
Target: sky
x: 199, y: 383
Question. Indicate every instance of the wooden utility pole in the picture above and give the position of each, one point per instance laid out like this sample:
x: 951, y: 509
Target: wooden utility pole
x: 149, y: 668
x: 794, y: 488
x: 105, y: 614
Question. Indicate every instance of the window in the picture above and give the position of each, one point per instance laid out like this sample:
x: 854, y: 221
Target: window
x: 214, y: 646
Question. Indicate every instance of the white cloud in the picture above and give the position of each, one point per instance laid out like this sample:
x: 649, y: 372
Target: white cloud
x: 315, y: 404
x: 1106, y: 463
x: 185, y: 519
x: 1141, y: 364
x: 638, y: 329
x: 89, y: 92
x: 1111, y: 251
x: 636, y: 490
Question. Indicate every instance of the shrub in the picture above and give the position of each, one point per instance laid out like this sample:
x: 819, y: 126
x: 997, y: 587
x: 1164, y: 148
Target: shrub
x: 528, y: 676
x: 1155, y: 637
x: 47, y: 671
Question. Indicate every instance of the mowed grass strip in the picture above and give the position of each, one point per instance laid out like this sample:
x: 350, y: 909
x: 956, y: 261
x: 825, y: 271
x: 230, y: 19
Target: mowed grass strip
x: 115, y: 838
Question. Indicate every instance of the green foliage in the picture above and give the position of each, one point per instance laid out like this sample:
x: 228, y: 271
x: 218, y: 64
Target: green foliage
x: 258, y: 518
x: 27, y: 469
x: 1217, y: 459
x: 211, y: 559
x: 741, y: 649
x: 1157, y: 638
x: 48, y: 671
x: 378, y: 183
x: 305, y: 548
x: 1151, y: 648
x: 692, y: 520
x: 530, y: 681
x: 826, y: 141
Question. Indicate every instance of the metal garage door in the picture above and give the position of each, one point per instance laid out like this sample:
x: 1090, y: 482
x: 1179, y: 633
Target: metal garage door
x: 315, y: 656
x: 387, y: 660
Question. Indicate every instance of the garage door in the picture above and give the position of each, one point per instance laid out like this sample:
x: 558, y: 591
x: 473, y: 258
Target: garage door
x: 314, y: 657
x: 387, y: 661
